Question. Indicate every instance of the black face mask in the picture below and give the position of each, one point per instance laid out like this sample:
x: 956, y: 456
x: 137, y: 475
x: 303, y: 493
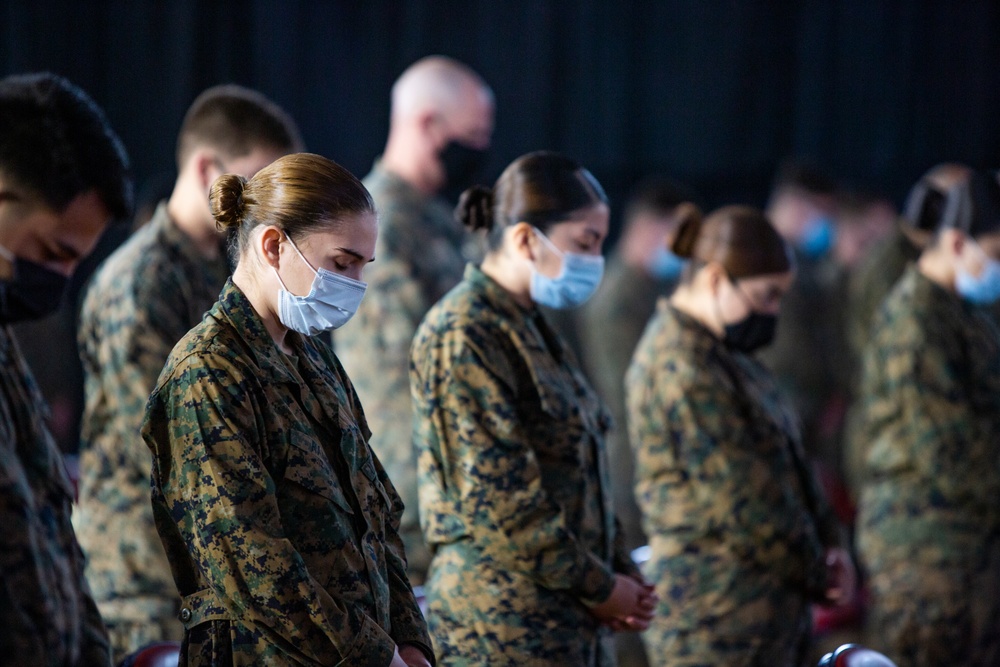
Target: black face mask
x: 751, y: 333
x: 34, y: 292
x: 461, y: 163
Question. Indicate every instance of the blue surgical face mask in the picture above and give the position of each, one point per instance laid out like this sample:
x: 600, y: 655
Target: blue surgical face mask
x: 577, y: 280
x: 332, y: 301
x: 818, y: 236
x: 983, y: 289
x: 665, y: 265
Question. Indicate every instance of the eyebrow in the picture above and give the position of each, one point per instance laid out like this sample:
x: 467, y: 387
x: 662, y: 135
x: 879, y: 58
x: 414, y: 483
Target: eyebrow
x: 355, y: 253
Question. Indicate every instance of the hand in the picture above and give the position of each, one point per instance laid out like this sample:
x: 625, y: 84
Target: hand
x: 396, y: 660
x: 842, y: 579
x: 413, y: 656
x: 630, y: 606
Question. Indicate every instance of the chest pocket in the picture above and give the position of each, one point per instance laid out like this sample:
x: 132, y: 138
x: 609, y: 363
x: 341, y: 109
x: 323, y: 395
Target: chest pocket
x: 308, y: 467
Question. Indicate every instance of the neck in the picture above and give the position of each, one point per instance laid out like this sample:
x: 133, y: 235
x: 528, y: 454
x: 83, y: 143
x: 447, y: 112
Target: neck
x: 697, y: 307
x: 188, y: 208
x: 251, y: 287
x: 404, y: 160
x: 934, y: 266
x: 504, y: 272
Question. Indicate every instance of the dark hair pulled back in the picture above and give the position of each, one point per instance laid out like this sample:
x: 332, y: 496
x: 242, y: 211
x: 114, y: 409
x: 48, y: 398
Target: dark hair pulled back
x: 542, y: 188
x: 740, y: 238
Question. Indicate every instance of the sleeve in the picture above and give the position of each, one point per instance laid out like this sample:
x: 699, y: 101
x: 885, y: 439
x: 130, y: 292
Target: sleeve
x: 408, y: 624
x: 96, y: 649
x: 488, y: 473
x: 202, y: 426
x: 621, y: 558
x: 125, y: 340
x: 920, y: 419
x: 700, y: 473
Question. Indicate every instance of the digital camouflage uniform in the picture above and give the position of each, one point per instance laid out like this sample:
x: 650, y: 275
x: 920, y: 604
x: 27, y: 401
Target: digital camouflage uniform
x: 737, y: 524
x: 929, y: 517
x: 514, y: 491
x: 418, y: 258
x: 612, y: 323
x: 279, y: 522
x: 142, y: 300
x: 47, y: 616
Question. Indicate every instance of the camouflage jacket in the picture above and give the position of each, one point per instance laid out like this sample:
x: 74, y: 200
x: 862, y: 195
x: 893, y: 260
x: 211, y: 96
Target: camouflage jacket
x: 930, y: 401
x: 612, y: 323
x: 514, y: 490
x: 731, y: 506
x: 419, y: 257
x: 279, y: 522
x: 47, y: 616
x: 142, y: 300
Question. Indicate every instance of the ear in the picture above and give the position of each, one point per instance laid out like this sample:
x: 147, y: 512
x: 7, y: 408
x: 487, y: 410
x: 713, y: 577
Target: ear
x: 953, y: 242
x: 714, y: 275
x: 269, y: 244
x: 432, y: 126
x: 523, y: 241
x: 206, y: 167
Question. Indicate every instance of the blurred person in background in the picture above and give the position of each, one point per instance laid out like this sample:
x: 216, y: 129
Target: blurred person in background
x: 529, y: 567
x: 803, y: 210
x: 141, y: 301
x: 641, y: 269
x: 871, y: 281
x: 63, y: 175
x: 279, y: 522
x: 742, y: 539
x: 928, y: 529
x: 441, y: 123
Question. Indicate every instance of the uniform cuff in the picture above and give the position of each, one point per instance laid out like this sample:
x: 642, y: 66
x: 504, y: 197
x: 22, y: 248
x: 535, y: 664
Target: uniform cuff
x: 372, y: 647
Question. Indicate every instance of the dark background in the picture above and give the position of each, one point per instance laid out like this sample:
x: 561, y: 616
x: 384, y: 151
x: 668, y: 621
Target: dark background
x: 714, y: 93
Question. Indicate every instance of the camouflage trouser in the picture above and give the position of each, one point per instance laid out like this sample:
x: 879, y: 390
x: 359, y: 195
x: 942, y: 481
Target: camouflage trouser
x: 936, y: 616
x: 136, y: 622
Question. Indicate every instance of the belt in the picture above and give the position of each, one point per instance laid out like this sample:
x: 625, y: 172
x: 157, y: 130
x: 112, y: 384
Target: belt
x: 202, y: 607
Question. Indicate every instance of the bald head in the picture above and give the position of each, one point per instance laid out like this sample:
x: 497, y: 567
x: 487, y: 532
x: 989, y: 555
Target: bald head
x: 435, y: 84
x: 436, y: 102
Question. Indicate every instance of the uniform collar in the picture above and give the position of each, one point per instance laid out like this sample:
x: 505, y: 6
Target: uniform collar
x: 182, y: 244
x: 236, y: 307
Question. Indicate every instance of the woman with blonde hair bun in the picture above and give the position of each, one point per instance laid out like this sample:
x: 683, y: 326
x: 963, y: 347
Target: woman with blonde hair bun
x: 279, y: 522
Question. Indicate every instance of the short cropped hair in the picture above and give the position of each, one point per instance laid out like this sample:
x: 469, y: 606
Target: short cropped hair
x: 235, y: 120
x: 56, y: 142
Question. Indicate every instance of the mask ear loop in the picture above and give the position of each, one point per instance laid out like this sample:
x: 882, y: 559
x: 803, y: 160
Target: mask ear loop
x: 301, y: 256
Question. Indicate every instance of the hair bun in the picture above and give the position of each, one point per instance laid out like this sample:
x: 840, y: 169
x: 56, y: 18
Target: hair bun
x: 227, y: 201
x: 687, y: 231
x: 475, y: 208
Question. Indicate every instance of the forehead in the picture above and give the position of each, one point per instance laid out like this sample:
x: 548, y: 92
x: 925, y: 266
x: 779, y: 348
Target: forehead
x: 356, y: 231
x: 770, y: 282
x: 592, y: 219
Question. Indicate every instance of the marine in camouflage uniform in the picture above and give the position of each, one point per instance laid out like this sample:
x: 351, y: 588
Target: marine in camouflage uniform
x: 612, y: 322
x: 929, y: 519
x: 419, y: 257
x: 47, y: 615
x: 279, y: 522
x: 738, y: 527
x: 143, y: 300
x: 515, y: 498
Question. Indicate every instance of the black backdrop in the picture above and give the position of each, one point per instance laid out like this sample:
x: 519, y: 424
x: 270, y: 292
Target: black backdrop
x: 712, y: 92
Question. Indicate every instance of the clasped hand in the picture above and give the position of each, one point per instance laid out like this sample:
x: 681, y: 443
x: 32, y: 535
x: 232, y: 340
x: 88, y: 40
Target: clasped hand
x: 630, y: 607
